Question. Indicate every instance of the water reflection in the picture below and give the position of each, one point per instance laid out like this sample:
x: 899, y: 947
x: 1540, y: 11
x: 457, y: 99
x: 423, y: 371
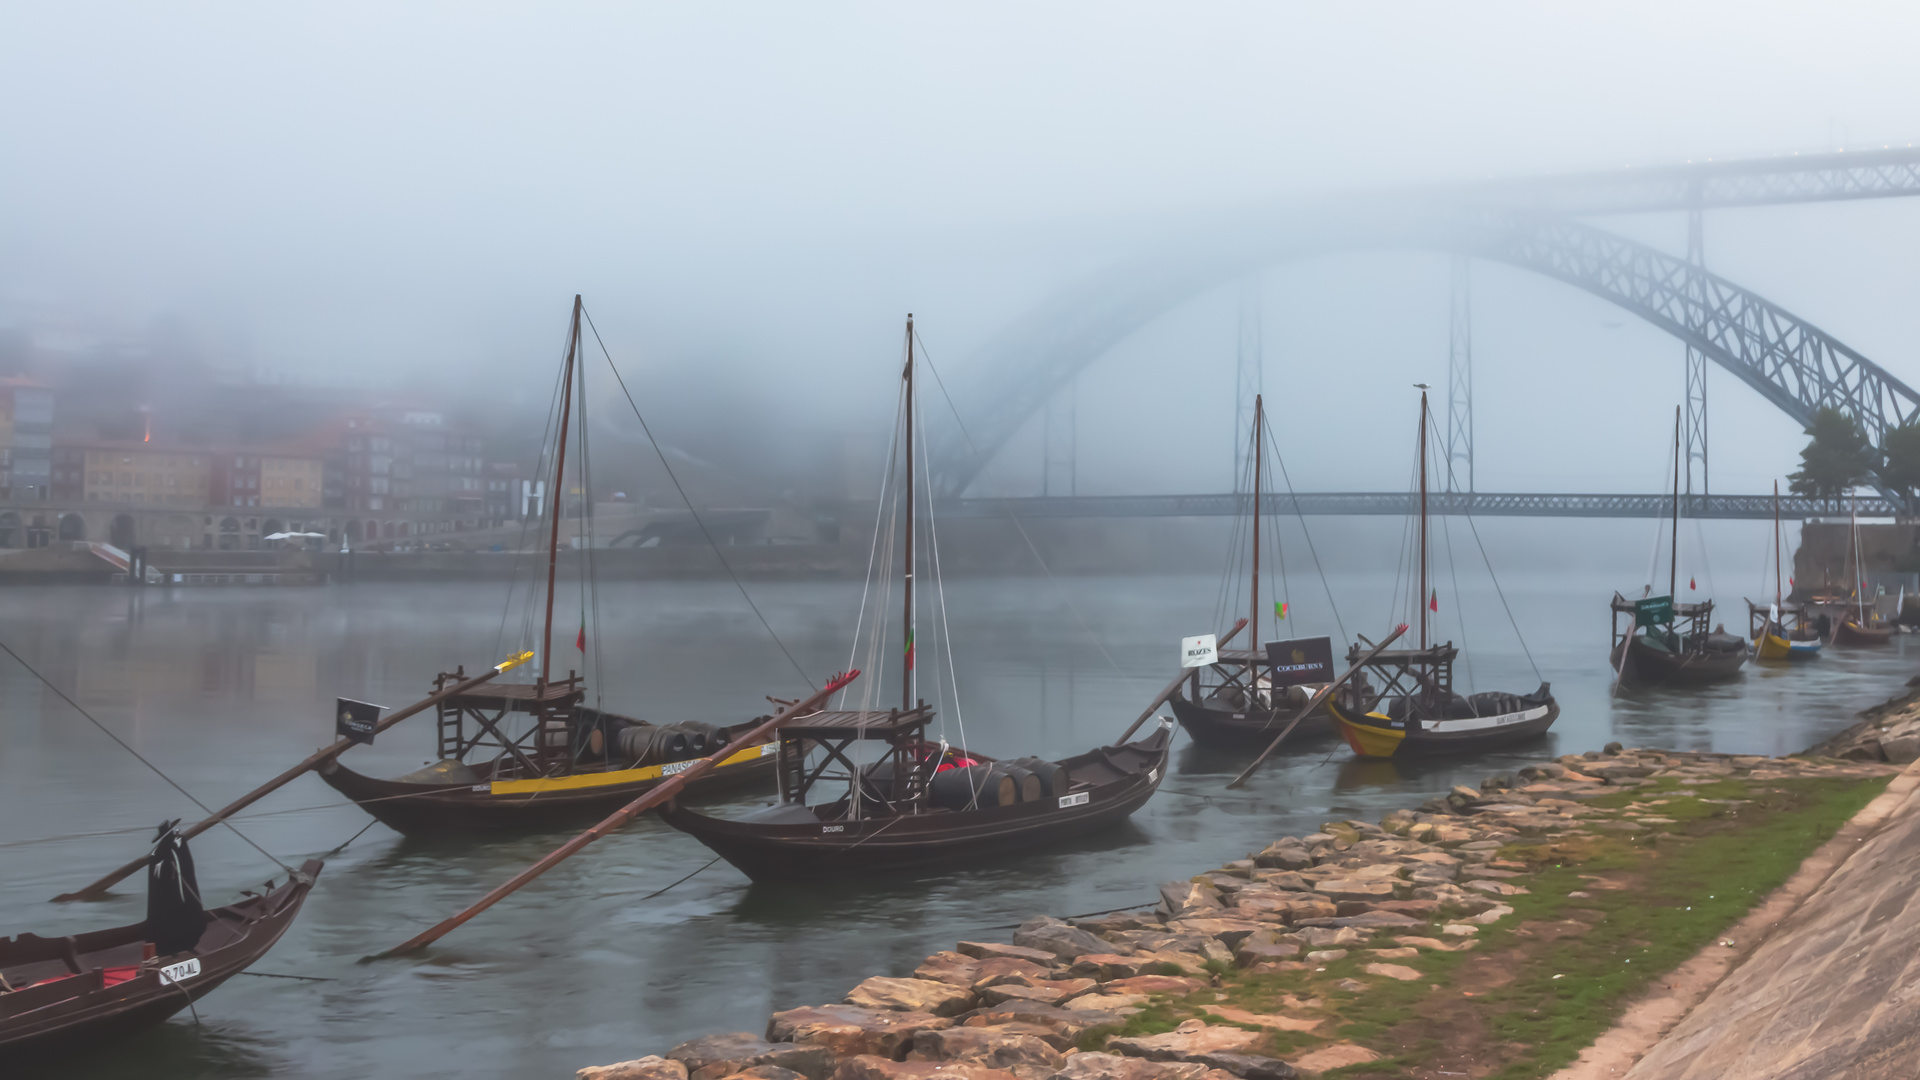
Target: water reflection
x: 222, y: 688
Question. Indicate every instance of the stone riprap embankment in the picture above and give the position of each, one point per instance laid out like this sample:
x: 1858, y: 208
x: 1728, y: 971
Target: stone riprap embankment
x: 1889, y: 733
x: 1113, y: 997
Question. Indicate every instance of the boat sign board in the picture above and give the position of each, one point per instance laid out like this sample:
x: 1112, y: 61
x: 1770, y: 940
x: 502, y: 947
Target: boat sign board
x: 1198, y: 651
x: 1653, y: 611
x: 180, y: 972
x: 1302, y: 660
x: 355, y: 720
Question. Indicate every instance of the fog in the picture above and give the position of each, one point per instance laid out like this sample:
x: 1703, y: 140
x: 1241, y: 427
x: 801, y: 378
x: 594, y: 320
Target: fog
x: 751, y: 198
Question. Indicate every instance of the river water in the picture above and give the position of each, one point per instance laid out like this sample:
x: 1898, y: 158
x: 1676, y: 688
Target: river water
x: 222, y: 688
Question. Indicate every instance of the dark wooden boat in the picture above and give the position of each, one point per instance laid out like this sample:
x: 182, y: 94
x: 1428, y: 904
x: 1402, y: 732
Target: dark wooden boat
x: 1652, y: 649
x: 893, y: 819
x: 1664, y: 655
x: 1232, y: 710
x: 1243, y: 700
x: 1851, y: 631
x: 60, y: 994
x: 922, y: 803
x: 533, y: 755
x: 516, y: 787
x: 1413, y: 711
x: 1858, y: 625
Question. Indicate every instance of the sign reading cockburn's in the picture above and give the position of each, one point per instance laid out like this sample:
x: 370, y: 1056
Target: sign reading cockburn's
x: 1302, y: 660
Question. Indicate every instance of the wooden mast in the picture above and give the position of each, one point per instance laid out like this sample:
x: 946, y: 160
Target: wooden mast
x: 553, y: 503
x: 1423, y: 517
x: 906, y: 659
x: 1253, y: 617
x: 1673, y: 559
x: 1777, y: 599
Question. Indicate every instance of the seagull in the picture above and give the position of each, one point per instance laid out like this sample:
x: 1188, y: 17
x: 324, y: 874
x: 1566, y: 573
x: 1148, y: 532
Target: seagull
x: 1420, y: 386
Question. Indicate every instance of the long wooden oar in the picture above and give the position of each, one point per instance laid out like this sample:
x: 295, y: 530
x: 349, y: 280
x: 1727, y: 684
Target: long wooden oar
x: 1314, y: 703
x: 666, y: 790
x: 319, y: 757
x: 1175, y: 685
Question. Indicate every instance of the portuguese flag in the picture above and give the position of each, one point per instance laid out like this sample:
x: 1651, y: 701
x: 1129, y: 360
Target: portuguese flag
x: 909, y: 648
x: 580, y: 641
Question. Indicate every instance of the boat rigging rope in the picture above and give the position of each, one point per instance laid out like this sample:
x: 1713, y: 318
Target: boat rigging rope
x: 1078, y: 615
x: 940, y: 592
x: 124, y: 745
x: 526, y: 523
x: 873, y: 554
x: 697, y: 519
x: 1308, y: 533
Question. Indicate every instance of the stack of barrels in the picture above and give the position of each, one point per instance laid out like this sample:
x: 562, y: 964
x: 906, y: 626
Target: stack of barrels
x: 650, y: 744
x: 999, y: 783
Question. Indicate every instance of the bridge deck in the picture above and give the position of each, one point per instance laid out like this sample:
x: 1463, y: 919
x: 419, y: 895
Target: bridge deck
x: 1401, y: 503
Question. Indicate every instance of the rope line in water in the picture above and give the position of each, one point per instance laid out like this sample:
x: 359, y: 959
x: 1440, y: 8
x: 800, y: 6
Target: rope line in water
x: 124, y: 745
x: 689, y: 877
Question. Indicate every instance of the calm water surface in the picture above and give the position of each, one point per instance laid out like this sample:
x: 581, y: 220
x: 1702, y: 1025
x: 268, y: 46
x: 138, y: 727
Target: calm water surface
x: 223, y: 688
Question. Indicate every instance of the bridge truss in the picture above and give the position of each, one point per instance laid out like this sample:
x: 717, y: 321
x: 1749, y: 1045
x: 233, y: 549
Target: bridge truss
x: 1793, y: 364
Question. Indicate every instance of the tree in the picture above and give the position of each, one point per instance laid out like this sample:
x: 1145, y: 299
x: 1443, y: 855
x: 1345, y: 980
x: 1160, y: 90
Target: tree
x: 1902, y: 471
x: 1837, y: 459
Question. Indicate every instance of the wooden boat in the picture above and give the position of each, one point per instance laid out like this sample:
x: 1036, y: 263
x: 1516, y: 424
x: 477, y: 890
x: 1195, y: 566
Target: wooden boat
x: 1414, y: 710
x: 1782, y: 631
x: 1653, y: 650
x: 60, y: 994
x: 894, y: 819
x: 564, y: 763
x: 1244, y: 699
x: 1664, y: 655
x: 1858, y: 624
x: 922, y: 803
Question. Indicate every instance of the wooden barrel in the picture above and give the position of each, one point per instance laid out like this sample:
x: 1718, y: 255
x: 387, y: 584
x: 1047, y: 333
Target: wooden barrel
x: 955, y: 788
x: 1052, y: 775
x: 1026, y: 784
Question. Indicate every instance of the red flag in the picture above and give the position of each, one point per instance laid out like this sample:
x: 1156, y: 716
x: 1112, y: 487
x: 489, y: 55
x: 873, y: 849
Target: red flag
x: 580, y: 642
x: 1434, y: 604
x: 1691, y: 585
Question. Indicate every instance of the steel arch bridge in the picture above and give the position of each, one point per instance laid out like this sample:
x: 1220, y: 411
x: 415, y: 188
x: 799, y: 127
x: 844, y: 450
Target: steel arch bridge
x: 1531, y: 225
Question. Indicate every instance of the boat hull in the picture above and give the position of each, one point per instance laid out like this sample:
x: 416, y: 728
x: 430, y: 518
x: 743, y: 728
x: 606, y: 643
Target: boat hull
x: 1850, y: 632
x: 54, y: 1021
x: 1374, y: 735
x: 1775, y: 647
x: 1649, y: 665
x: 818, y: 849
x: 1218, y: 727
x: 418, y: 809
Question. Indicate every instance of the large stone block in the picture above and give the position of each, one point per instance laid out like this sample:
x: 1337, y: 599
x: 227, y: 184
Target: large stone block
x: 912, y: 995
x: 651, y: 1067
x: 848, y: 1030
x: 984, y: 1046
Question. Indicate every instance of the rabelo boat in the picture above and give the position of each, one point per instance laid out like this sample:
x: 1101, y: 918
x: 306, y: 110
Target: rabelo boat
x: 922, y: 802
x: 534, y: 755
x: 1413, y: 711
x: 72, y: 992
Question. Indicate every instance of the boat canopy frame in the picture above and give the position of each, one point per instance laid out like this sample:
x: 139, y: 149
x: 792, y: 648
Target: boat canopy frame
x: 547, y: 748
x: 1699, y: 617
x: 1424, y: 677
x: 833, y: 733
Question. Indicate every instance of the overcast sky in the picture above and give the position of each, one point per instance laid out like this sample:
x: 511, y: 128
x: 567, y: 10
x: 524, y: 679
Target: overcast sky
x: 752, y: 196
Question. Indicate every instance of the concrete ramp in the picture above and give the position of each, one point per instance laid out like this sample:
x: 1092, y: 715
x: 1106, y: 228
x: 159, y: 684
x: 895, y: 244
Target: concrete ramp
x: 1834, y: 990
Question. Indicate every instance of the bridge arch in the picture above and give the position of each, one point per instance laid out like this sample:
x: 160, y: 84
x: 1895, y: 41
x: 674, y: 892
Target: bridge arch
x: 1789, y: 361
